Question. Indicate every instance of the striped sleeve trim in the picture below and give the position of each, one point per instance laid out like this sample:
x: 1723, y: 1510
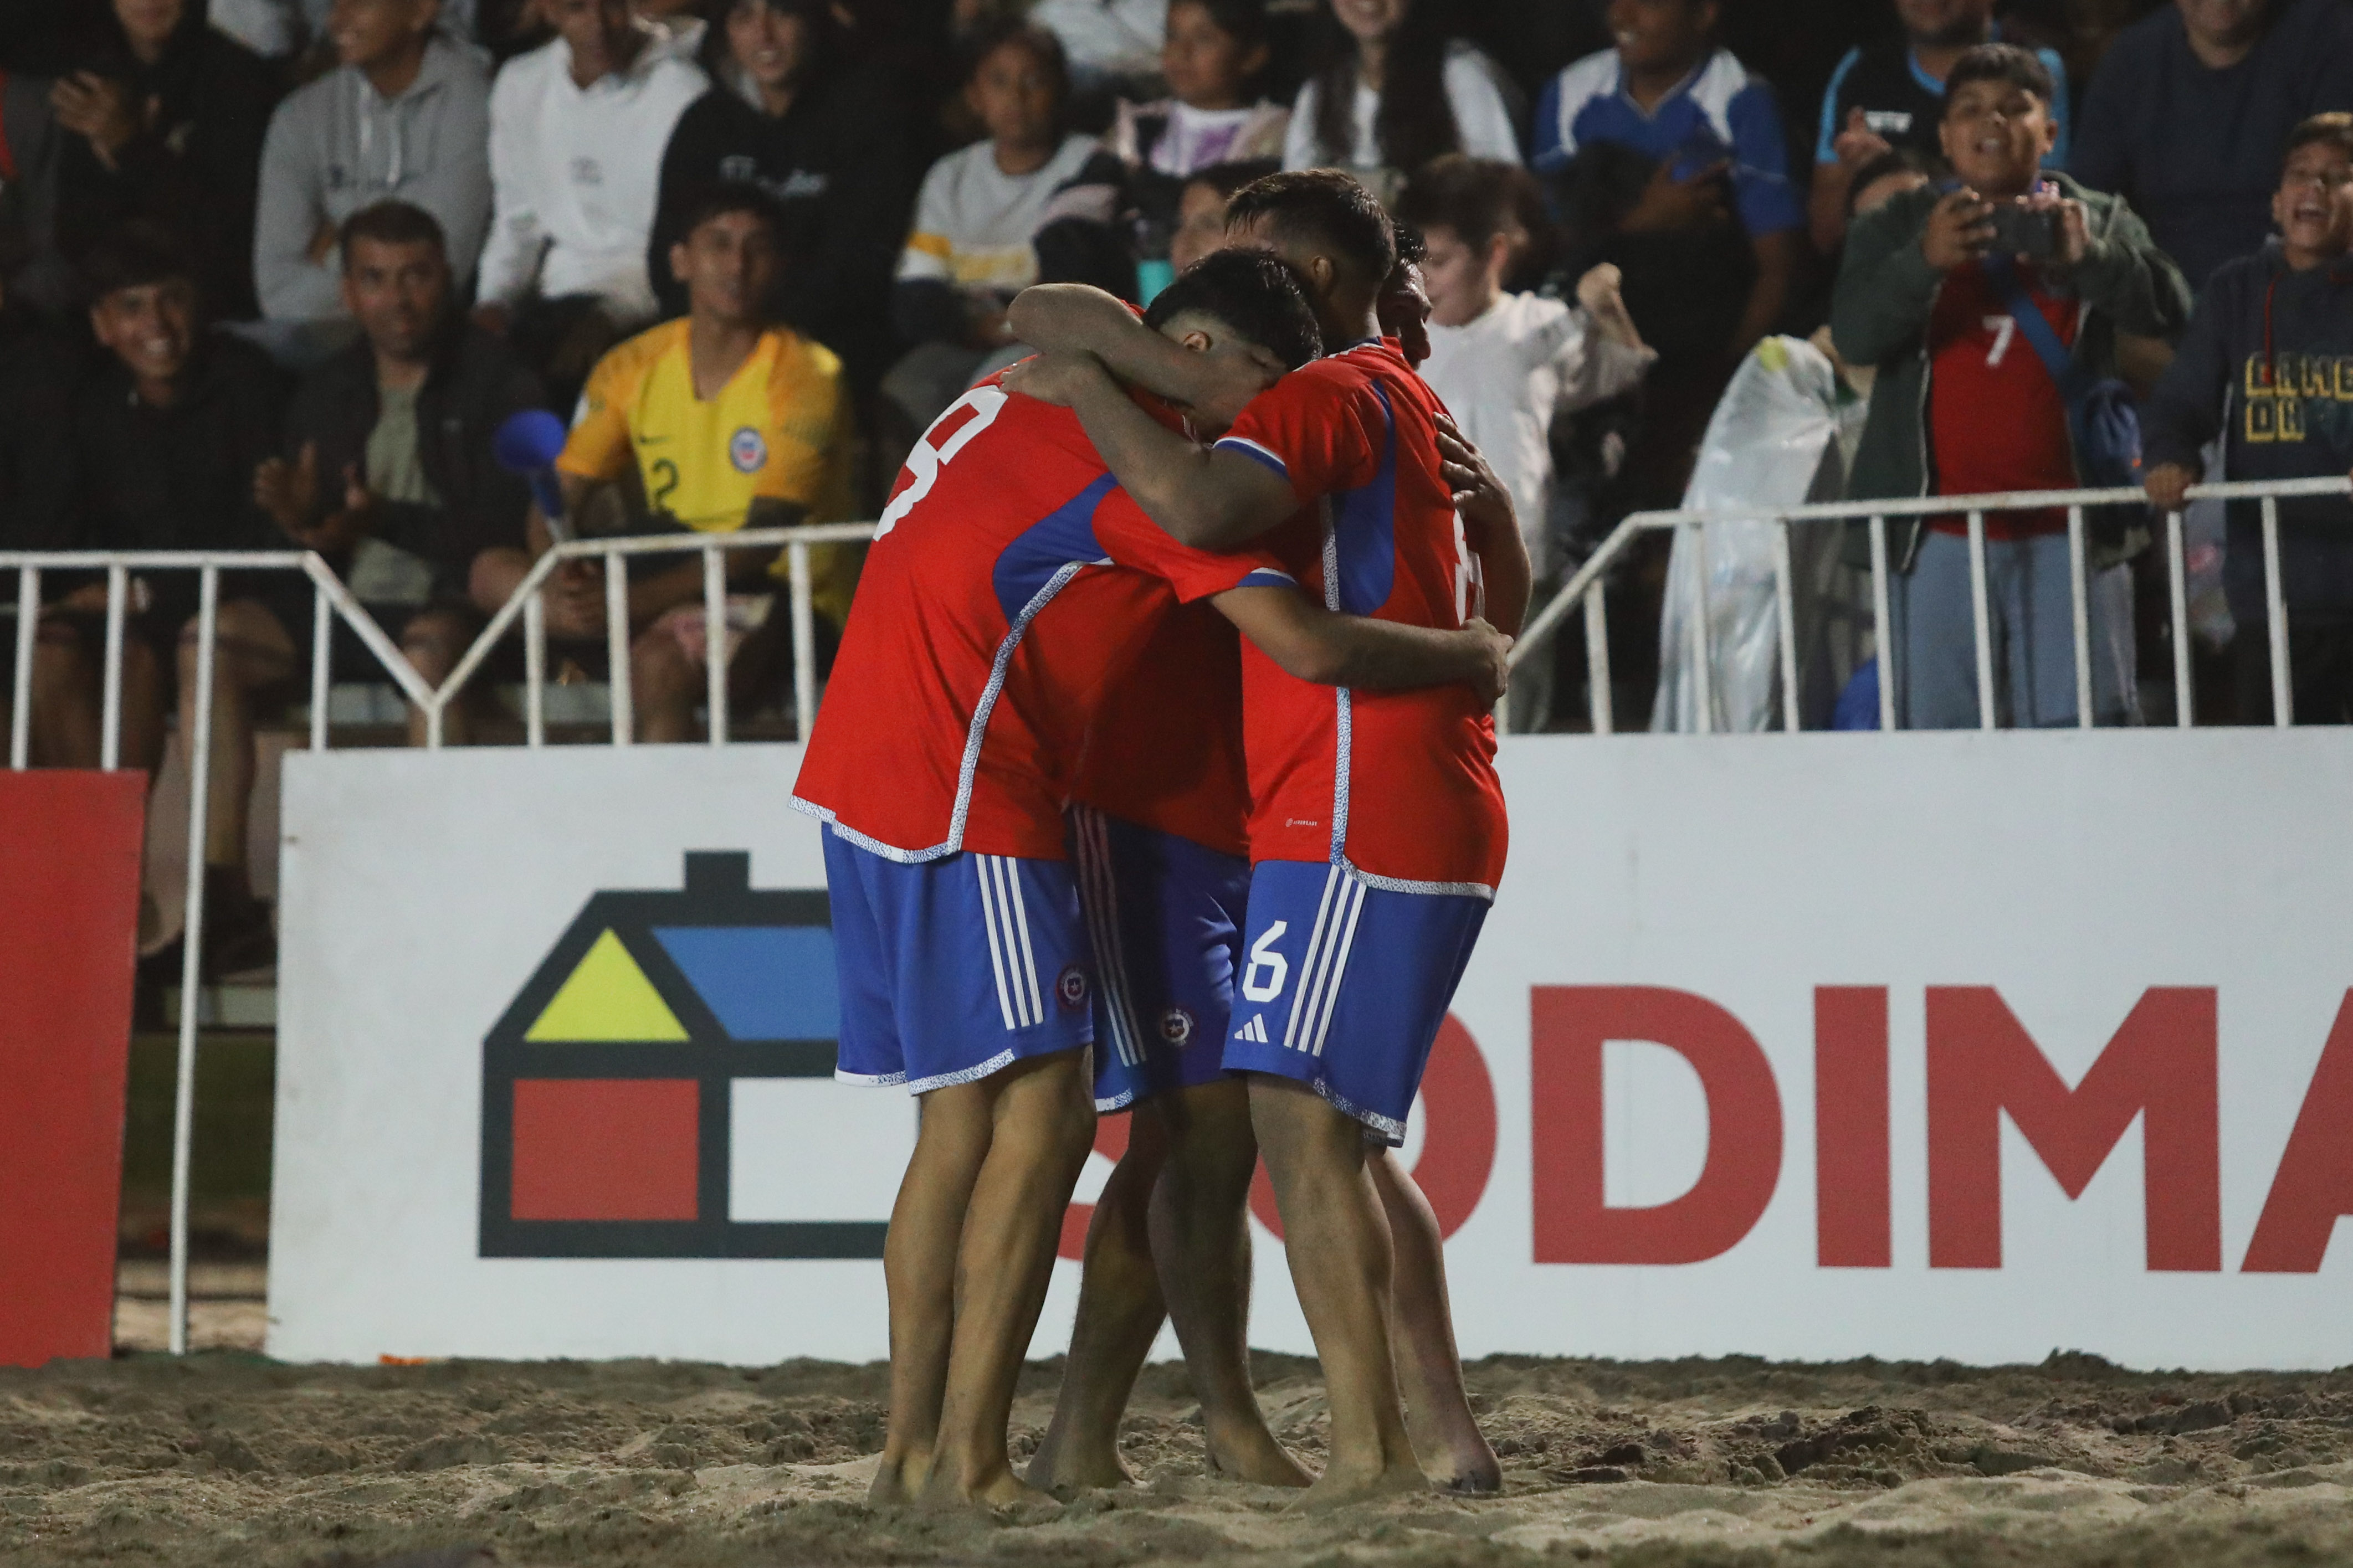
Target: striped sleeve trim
x: 1268, y: 577
x: 1253, y: 451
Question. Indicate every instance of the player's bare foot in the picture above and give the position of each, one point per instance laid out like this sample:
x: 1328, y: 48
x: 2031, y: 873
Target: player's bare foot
x: 1340, y: 1486
x: 1252, y: 1455
x: 1460, y: 1460
x: 1059, y: 1466
x: 898, y: 1481
x: 1001, y: 1489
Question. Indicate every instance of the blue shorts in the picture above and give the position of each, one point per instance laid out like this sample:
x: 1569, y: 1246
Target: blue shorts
x: 956, y: 968
x: 1343, y: 985
x: 1166, y: 915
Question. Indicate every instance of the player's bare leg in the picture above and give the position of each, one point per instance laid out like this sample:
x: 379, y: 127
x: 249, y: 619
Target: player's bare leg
x: 1201, y: 1231
x: 919, y: 1261
x: 1042, y: 1121
x: 1120, y: 1312
x: 664, y: 685
x: 1338, y: 1241
x: 1446, y: 1434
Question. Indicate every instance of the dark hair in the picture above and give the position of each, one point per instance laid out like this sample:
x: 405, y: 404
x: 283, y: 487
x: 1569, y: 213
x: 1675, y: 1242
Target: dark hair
x: 1243, y: 21
x: 1894, y: 161
x: 2005, y: 63
x: 718, y: 198
x: 1412, y: 248
x: 1226, y: 178
x: 1321, y: 207
x: 135, y: 254
x: 1414, y: 121
x: 822, y: 41
x: 392, y: 223
x: 1258, y: 295
x: 2334, y: 128
x: 1016, y: 32
x: 1478, y: 198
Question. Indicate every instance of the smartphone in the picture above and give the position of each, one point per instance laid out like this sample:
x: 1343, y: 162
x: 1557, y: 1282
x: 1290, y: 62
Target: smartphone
x: 2019, y: 230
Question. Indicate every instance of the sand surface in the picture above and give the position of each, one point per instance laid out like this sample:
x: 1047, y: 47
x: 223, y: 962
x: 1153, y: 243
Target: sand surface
x: 229, y: 1459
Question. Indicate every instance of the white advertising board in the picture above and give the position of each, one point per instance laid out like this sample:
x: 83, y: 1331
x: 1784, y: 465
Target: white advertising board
x: 1822, y: 1046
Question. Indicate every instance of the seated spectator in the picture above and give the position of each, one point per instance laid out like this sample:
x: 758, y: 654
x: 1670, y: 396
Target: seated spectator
x: 405, y: 118
x: 387, y: 468
x: 577, y: 127
x: 828, y: 141
x: 1891, y: 94
x: 730, y: 422
x: 1963, y: 407
x: 1391, y: 90
x: 1508, y: 364
x: 1669, y: 161
x: 1108, y: 42
x: 36, y: 273
x: 166, y: 121
x: 1201, y: 210
x: 1032, y: 204
x: 167, y: 434
x: 2190, y: 106
x: 1215, y: 52
x: 2260, y: 366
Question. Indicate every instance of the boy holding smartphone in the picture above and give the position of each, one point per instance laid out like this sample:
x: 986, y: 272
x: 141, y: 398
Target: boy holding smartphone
x: 1932, y: 291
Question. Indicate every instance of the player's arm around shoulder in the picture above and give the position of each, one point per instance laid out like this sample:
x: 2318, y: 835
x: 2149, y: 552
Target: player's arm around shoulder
x: 1326, y: 648
x: 1207, y: 497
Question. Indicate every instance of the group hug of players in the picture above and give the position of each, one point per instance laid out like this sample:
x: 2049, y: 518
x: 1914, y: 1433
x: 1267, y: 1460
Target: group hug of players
x: 1088, y: 849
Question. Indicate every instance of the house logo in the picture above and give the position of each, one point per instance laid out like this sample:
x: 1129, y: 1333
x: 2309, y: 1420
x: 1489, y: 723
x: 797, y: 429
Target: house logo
x: 662, y: 1027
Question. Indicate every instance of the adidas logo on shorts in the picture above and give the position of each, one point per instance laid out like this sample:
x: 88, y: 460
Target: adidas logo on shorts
x: 1253, y: 1030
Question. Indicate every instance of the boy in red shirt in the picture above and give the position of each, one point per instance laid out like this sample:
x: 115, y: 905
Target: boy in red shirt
x: 993, y: 614
x: 1966, y: 405
x: 1378, y: 827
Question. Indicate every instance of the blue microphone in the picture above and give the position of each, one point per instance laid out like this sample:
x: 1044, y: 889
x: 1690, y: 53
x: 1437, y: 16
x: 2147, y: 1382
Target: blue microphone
x: 528, y: 444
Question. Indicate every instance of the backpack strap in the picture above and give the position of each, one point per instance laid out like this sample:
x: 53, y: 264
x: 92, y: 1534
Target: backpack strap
x: 2031, y: 322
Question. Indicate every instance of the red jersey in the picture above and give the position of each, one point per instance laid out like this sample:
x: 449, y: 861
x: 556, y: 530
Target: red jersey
x: 1164, y: 750
x: 994, y: 610
x: 1996, y: 419
x: 1399, y: 786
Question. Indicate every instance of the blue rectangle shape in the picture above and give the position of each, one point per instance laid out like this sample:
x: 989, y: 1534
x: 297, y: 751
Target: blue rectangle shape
x: 762, y: 982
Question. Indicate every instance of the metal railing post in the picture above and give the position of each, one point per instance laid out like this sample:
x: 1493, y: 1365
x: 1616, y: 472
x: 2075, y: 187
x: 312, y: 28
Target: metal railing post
x: 1981, y: 617
x: 110, y: 730
x: 323, y: 626
x: 20, y: 710
x: 1702, y: 674
x: 714, y: 640
x: 1599, y: 697
x: 2275, y: 607
x: 803, y: 642
x: 617, y: 647
x: 2079, y: 594
x: 198, y: 750
x: 1785, y: 592
x: 535, y: 668
x: 2176, y: 583
x: 1882, y: 624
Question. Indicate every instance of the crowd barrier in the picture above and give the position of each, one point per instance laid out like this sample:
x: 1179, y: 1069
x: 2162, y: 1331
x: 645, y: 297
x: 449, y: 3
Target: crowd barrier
x: 1584, y: 591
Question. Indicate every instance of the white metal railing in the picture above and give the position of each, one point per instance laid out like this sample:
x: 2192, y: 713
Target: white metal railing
x: 528, y: 604
x: 1584, y: 589
x: 330, y: 599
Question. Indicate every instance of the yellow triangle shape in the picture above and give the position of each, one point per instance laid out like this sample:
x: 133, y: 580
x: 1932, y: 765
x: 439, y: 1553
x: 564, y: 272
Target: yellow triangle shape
x: 608, y: 998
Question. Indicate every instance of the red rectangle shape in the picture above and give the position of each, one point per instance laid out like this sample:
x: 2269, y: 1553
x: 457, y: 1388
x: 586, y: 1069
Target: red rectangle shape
x: 606, y: 1148
x: 68, y: 937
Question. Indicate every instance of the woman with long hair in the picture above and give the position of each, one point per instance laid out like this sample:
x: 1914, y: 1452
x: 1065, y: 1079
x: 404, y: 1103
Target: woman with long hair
x: 1391, y: 90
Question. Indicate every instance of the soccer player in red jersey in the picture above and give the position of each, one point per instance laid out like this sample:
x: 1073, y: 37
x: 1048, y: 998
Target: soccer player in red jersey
x: 1378, y: 831
x: 992, y: 614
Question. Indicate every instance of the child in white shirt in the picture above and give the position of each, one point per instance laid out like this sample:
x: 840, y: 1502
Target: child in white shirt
x: 1507, y: 364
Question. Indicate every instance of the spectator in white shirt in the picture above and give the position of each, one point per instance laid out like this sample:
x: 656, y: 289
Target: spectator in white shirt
x: 1107, y: 40
x: 577, y: 128
x: 1031, y: 203
x: 1392, y: 91
x: 1509, y: 365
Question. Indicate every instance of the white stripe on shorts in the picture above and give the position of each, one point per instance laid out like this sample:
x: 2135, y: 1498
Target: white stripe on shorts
x: 1026, y: 975
x: 1307, y: 962
x: 1005, y: 997
x: 1331, y: 1000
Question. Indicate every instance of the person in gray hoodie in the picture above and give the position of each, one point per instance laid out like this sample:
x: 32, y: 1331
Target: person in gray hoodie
x: 2267, y: 364
x: 406, y: 117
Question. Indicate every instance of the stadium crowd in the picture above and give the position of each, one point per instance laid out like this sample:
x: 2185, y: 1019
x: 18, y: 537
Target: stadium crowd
x: 272, y: 272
